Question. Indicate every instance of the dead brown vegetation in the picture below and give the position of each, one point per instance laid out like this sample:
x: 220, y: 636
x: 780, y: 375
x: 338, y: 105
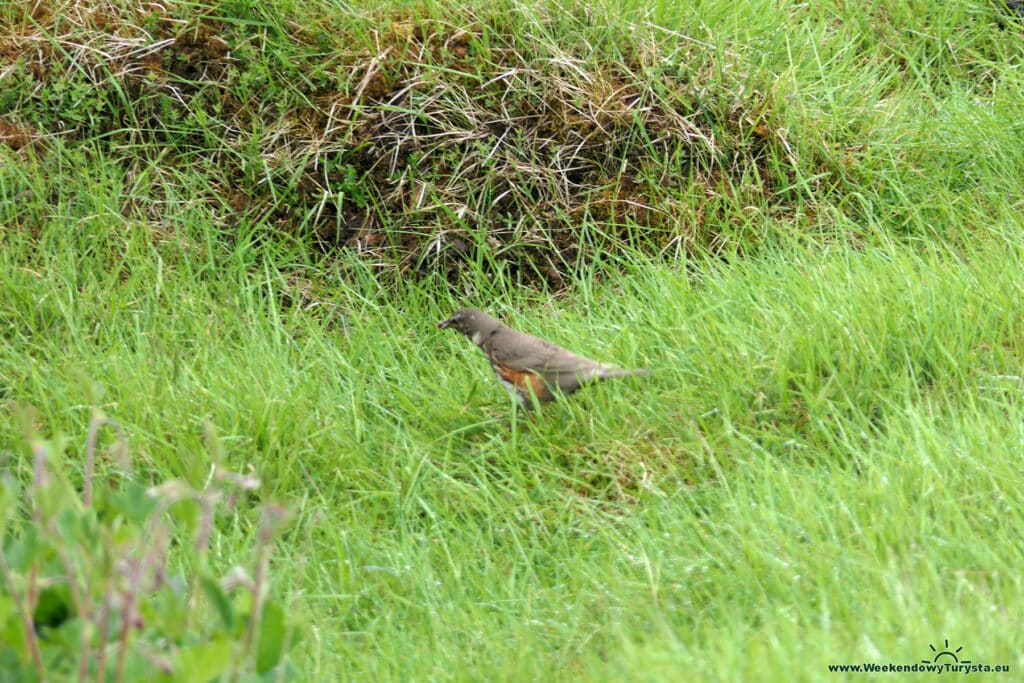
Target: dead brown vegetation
x: 498, y: 138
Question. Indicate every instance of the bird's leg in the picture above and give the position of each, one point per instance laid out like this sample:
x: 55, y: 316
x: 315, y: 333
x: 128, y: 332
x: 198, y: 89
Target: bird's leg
x: 514, y: 428
x: 530, y: 403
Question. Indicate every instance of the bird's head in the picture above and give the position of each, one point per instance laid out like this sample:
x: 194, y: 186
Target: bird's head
x: 468, y: 321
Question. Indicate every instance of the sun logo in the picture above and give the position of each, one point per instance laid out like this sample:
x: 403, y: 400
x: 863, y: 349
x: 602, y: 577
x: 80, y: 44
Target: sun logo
x: 945, y: 652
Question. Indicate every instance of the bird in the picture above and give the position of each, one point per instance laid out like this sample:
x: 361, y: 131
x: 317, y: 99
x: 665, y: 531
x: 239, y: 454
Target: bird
x: 530, y: 368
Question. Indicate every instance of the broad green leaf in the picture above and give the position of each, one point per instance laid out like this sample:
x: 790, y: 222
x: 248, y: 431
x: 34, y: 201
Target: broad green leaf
x: 273, y: 631
x: 69, y: 526
x: 8, y: 609
x: 186, y: 512
x: 201, y: 663
x: 21, y: 552
x: 141, y: 665
x: 12, y: 635
x: 124, y: 533
x: 219, y: 599
x: 67, y: 634
x: 134, y: 503
x: 168, y: 612
x: 55, y: 497
x: 12, y: 664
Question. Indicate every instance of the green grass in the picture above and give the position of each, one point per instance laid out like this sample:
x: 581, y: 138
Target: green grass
x: 822, y: 468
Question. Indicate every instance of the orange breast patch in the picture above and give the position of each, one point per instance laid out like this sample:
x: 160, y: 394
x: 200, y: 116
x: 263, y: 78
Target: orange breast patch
x: 524, y: 382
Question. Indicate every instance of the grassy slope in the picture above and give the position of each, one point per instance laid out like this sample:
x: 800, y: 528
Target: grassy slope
x: 824, y: 467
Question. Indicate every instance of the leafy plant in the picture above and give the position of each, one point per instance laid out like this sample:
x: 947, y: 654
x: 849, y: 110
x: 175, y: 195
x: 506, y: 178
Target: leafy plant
x: 115, y: 582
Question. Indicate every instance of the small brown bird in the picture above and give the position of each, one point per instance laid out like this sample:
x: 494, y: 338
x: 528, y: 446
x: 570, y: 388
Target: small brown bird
x: 529, y: 367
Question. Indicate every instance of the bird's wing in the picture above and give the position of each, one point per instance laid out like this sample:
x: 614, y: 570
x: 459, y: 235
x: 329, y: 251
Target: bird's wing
x: 525, y: 353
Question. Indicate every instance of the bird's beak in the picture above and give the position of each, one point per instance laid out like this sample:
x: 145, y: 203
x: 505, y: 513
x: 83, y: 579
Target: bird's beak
x: 445, y: 324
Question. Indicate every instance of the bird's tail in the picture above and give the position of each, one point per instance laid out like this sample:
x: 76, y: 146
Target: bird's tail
x: 610, y: 371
